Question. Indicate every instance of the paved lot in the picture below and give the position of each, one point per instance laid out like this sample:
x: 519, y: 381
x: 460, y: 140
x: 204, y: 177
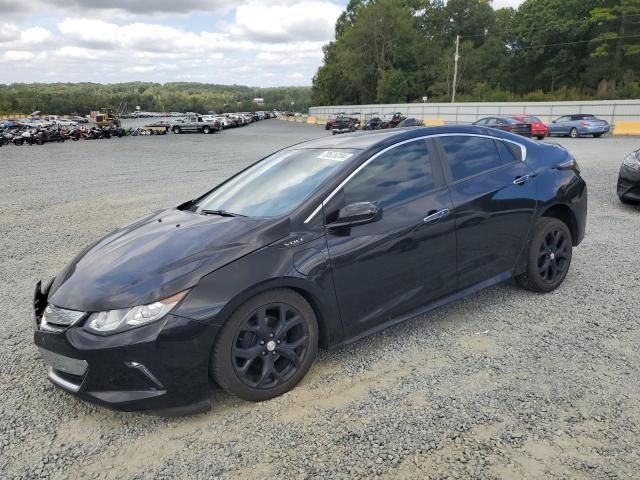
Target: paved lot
x: 506, y: 384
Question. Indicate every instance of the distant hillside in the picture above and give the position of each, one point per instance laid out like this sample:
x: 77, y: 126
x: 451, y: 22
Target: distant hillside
x: 66, y: 98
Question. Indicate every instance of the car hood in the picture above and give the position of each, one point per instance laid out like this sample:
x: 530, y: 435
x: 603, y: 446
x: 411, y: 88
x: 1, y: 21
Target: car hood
x: 156, y: 256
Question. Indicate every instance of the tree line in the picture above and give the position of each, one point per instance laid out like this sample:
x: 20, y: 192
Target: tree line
x: 81, y: 98
x: 393, y: 51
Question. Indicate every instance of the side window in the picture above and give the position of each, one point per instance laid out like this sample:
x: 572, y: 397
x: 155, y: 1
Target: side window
x: 468, y: 156
x: 402, y: 173
x: 506, y: 154
x: 482, y: 121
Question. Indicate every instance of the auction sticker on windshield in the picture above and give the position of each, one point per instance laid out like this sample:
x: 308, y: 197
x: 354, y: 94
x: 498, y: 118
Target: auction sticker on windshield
x: 337, y: 156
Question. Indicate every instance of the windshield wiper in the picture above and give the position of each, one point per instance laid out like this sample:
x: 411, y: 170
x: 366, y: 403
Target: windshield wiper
x: 222, y: 213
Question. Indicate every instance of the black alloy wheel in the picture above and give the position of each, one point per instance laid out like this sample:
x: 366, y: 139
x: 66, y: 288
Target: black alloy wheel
x: 549, y: 256
x: 266, y: 346
x: 552, y: 256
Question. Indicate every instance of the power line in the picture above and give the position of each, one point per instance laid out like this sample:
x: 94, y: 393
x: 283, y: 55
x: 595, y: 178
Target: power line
x: 548, y: 29
x: 579, y: 41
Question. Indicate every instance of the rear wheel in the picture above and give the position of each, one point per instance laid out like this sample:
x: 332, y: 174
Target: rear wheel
x: 597, y: 135
x: 573, y: 133
x: 176, y: 130
x: 540, y: 137
x: 549, y: 256
x: 266, y: 346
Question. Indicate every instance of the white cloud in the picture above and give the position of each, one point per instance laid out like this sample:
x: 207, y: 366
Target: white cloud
x: 76, y: 53
x: 506, y: 3
x: 8, y: 32
x: 306, y: 20
x: 247, y: 43
x: 17, y: 56
x: 34, y: 36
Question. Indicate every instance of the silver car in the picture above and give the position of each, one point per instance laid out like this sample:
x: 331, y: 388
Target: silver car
x: 577, y: 125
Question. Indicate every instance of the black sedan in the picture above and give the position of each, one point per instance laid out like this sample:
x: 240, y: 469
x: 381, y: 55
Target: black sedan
x: 507, y: 124
x: 319, y: 244
x: 629, y: 179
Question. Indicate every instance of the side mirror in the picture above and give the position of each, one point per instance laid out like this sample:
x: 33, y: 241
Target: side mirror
x: 358, y: 213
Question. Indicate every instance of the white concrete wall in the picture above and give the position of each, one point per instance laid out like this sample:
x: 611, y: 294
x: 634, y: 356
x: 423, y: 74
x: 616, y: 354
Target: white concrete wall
x: 611, y: 110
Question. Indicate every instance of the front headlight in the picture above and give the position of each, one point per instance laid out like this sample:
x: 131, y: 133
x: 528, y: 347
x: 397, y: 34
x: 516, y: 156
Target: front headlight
x: 632, y: 161
x: 114, y: 321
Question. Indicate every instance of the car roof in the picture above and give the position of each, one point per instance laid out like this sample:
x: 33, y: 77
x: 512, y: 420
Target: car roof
x: 367, y: 140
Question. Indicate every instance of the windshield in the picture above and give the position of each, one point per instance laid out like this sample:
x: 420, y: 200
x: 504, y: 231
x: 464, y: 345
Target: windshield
x: 277, y: 184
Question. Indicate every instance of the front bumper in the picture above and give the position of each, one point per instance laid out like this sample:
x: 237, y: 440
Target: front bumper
x: 163, y: 365
x: 629, y: 184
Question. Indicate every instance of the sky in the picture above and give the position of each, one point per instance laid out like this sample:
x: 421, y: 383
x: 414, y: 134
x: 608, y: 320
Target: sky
x: 247, y: 42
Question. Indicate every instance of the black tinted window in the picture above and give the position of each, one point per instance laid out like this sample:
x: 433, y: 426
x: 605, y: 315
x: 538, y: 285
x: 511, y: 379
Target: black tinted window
x: 394, y: 177
x: 469, y: 156
x: 506, y: 154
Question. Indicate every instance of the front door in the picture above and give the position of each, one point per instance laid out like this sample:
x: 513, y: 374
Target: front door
x: 405, y: 259
x: 494, y: 202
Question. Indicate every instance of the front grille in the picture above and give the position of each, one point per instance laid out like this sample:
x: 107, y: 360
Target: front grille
x: 61, y: 317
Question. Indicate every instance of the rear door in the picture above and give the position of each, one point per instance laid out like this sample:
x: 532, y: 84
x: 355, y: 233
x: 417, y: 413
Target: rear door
x: 493, y: 204
x: 562, y: 125
x: 405, y: 259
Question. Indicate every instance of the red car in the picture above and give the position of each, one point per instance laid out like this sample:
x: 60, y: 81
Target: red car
x: 538, y: 128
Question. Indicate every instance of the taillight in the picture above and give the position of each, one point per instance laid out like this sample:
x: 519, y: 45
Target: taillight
x: 570, y: 164
x: 584, y: 124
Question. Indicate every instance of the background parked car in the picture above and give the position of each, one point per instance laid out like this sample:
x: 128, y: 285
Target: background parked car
x: 629, y: 179
x: 507, y: 124
x: 195, y: 123
x: 344, y: 125
x: 538, y: 127
x: 577, y: 125
x: 410, y: 122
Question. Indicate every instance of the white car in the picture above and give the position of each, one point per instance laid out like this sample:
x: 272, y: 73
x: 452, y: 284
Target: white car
x: 63, y: 122
x: 224, y: 121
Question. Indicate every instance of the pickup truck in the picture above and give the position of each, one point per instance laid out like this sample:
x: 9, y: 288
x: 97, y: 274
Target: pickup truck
x: 195, y: 123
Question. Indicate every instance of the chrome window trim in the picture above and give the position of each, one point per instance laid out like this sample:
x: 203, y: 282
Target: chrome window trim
x: 415, y: 139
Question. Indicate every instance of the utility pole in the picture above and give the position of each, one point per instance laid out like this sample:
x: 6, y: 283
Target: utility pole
x: 456, y: 57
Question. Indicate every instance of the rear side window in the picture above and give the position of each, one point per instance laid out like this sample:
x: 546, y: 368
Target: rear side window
x: 506, y: 154
x: 468, y: 156
x: 396, y: 176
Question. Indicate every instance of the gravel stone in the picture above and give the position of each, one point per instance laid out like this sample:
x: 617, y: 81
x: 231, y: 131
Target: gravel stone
x: 504, y: 384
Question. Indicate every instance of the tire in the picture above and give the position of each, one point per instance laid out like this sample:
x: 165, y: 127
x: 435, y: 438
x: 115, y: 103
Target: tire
x: 550, y: 245
x: 150, y: 132
x: 597, y: 135
x: 244, y: 331
x: 540, y: 137
x: 206, y: 130
x: 176, y: 130
x: 573, y: 133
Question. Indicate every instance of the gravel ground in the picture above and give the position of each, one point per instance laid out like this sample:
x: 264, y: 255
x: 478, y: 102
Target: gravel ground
x: 506, y: 384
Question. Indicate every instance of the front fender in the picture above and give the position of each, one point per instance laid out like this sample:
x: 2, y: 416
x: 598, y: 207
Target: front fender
x: 219, y: 294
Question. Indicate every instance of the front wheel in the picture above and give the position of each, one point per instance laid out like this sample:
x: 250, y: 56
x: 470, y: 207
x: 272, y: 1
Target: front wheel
x: 266, y: 347
x: 206, y: 130
x: 573, y: 133
x: 176, y: 129
x: 549, y: 256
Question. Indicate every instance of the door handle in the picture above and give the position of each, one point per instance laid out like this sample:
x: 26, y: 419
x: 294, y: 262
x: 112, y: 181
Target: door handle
x: 522, y: 179
x: 436, y: 215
